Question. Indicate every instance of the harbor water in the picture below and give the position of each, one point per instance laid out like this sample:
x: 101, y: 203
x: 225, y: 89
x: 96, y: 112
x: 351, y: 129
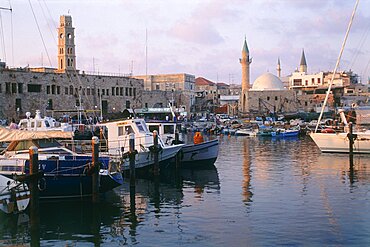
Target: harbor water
x: 260, y: 192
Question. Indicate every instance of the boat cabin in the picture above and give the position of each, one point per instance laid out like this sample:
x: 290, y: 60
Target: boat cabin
x: 119, y: 136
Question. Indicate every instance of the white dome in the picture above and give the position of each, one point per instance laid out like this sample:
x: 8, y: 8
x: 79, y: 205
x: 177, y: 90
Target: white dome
x: 267, y: 82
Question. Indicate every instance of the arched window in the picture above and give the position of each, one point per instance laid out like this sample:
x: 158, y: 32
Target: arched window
x: 70, y: 89
x: 68, y: 62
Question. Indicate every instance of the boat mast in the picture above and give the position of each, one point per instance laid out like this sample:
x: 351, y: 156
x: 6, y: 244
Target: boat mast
x: 337, y: 65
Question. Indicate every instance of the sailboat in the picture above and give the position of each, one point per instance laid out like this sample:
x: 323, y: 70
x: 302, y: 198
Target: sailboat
x: 340, y: 142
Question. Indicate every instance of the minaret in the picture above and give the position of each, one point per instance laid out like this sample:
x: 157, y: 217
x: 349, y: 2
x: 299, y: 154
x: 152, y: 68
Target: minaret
x: 66, y: 45
x: 245, y: 62
x: 303, y: 64
x: 278, y: 68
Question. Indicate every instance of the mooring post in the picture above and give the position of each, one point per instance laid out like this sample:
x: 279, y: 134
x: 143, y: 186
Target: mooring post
x: 34, y: 169
x: 177, y: 157
x: 156, y: 153
x: 34, y: 201
x: 95, y: 168
x: 132, y: 161
x: 351, y: 142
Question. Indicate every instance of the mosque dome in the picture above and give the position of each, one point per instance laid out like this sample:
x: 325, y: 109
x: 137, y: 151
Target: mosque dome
x: 267, y: 82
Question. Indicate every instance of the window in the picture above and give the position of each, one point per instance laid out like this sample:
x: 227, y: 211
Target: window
x: 103, y: 92
x: 113, y: 91
x: 33, y: 88
x: 117, y: 91
x: 88, y: 91
x: 157, y: 87
x: 107, y: 91
x: 130, y: 91
x: 7, y: 87
x: 276, y: 97
x: 297, y: 82
x: 134, y: 92
x: 53, y: 89
x: 141, y: 127
x: 127, y: 104
x: 70, y: 89
x: 49, y: 105
x: 18, y: 105
x: 47, y: 89
x: 20, y: 87
x: 58, y: 89
x: 318, y: 80
x: 146, y: 105
x: 93, y: 91
x: 121, y: 91
x: 313, y: 80
x: 1, y: 88
x: 126, y: 91
x: 268, y: 97
x: 14, y: 87
x: 66, y: 90
x: 169, y: 129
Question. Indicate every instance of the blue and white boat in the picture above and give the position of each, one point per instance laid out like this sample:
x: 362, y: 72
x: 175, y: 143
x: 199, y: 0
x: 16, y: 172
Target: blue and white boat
x: 66, y: 174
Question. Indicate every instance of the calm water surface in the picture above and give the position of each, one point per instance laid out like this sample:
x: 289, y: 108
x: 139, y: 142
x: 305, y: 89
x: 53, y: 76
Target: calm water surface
x: 261, y: 192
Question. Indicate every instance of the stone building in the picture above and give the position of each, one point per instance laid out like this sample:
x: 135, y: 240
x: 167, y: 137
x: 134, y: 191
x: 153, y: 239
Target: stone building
x: 64, y: 89
x: 181, y: 86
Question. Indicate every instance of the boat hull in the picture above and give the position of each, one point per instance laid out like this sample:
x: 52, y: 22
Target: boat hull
x: 339, y: 143
x: 146, y: 159
x: 197, y: 154
x: 70, y: 177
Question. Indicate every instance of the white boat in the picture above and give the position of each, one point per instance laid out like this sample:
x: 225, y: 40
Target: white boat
x: 118, y: 144
x: 191, y: 154
x: 246, y: 132
x: 39, y: 123
x: 14, y: 196
x: 339, y: 142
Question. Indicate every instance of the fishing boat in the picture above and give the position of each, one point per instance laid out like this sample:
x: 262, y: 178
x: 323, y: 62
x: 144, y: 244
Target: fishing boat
x: 66, y: 174
x: 191, y: 154
x: 14, y: 195
x: 119, y: 141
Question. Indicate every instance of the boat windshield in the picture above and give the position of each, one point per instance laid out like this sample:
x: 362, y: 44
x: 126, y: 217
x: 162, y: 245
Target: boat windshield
x: 142, y: 127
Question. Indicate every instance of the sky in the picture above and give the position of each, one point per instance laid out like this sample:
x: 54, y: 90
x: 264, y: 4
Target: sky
x: 199, y: 37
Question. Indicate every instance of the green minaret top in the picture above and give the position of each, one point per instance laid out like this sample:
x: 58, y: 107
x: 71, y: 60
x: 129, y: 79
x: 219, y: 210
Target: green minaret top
x: 303, y: 59
x: 245, y: 46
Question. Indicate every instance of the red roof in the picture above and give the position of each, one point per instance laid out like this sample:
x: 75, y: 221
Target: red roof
x: 200, y: 81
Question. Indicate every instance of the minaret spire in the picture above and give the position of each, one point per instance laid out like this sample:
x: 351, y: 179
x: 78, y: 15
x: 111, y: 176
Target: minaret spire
x: 245, y: 62
x: 303, y: 64
x: 278, y: 68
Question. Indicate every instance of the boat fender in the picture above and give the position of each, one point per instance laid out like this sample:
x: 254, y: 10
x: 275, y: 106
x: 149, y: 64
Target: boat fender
x: 42, y: 184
